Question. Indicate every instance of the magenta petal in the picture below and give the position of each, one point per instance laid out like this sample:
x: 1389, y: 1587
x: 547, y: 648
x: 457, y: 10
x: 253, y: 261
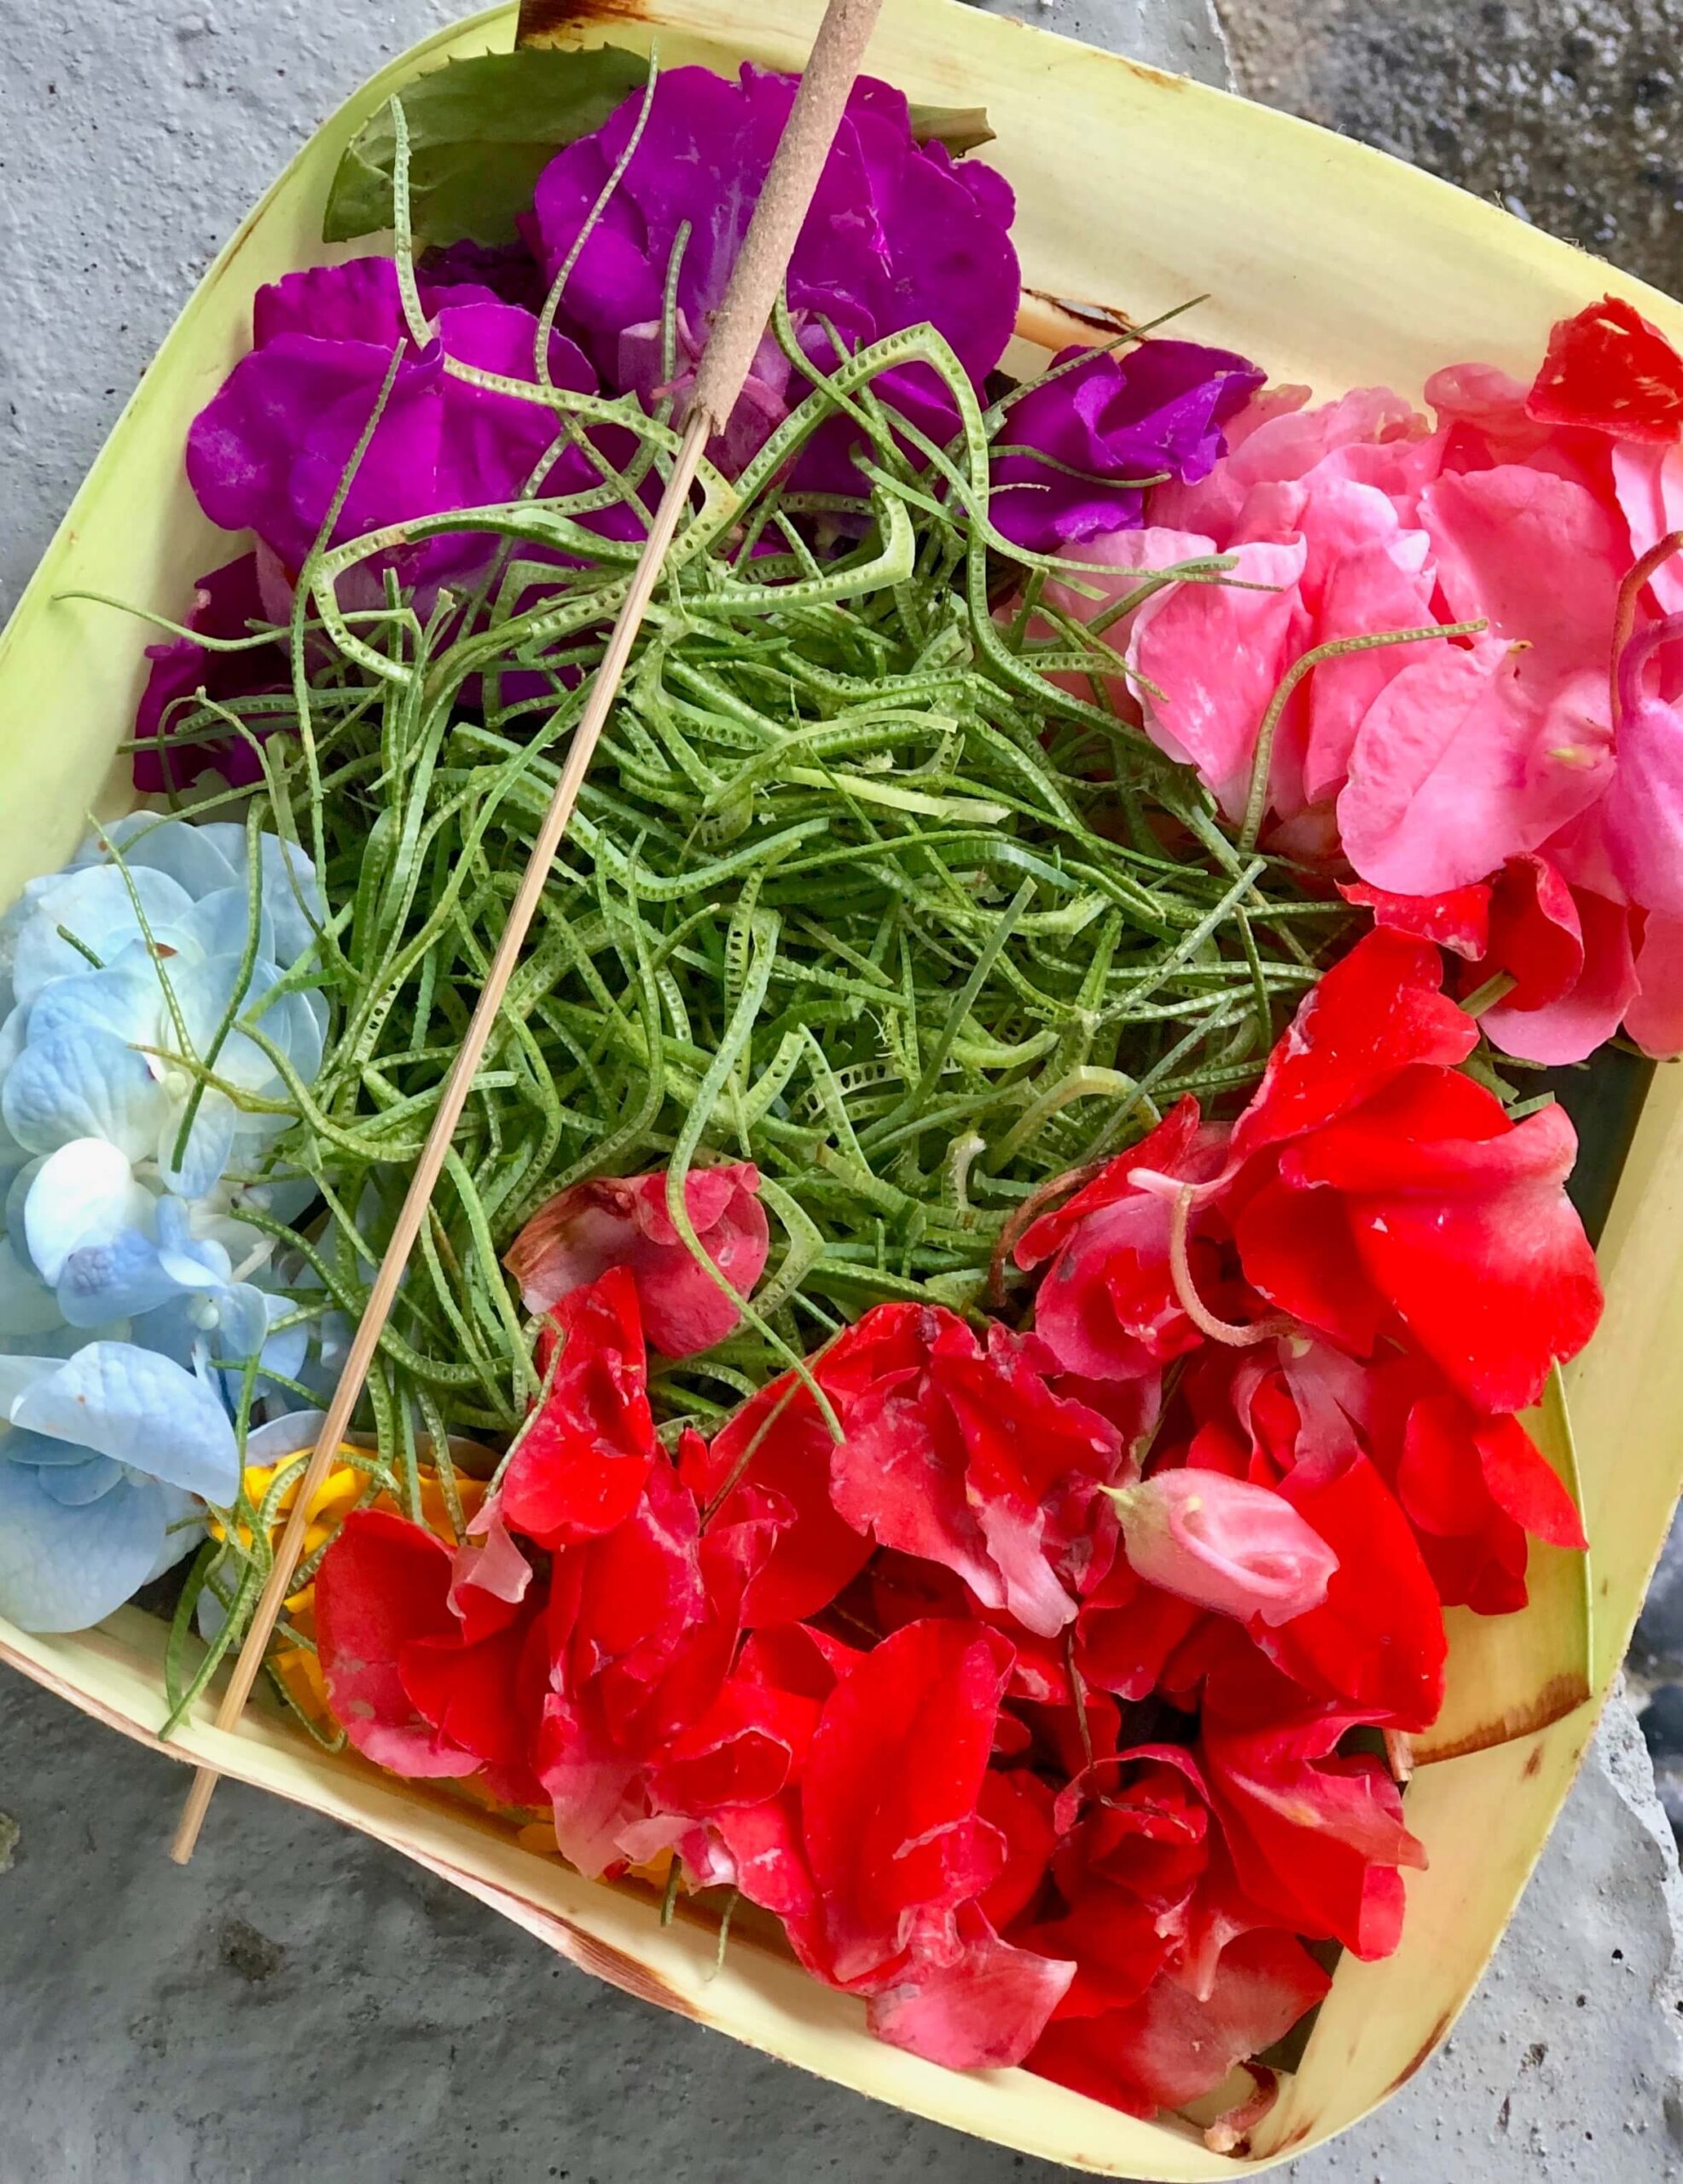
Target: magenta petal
x: 895, y: 236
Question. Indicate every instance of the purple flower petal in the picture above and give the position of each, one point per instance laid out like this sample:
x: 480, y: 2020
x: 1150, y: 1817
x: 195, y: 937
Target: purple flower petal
x: 226, y: 603
x: 1116, y: 421
x: 269, y: 452
x: 896, y: 235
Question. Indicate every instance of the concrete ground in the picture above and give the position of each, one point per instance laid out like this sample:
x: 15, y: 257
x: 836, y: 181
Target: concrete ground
x: 301, y: 2005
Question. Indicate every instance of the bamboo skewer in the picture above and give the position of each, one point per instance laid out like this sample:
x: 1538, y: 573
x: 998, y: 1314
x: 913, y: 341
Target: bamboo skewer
x: 749, y: 300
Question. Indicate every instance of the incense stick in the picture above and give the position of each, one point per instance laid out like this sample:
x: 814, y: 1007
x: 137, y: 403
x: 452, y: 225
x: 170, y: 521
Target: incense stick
x: 741, y: 321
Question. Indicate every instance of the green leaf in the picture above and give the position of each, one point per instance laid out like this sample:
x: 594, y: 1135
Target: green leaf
x: 960, y: 128
x: 481, y: 132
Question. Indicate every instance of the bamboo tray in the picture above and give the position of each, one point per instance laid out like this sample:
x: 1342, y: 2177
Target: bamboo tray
x: 1331, y: 264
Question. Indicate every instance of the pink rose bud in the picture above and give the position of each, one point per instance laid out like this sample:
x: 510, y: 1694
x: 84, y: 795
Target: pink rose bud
x: 1237, y: 1549
x: 616, y: 1221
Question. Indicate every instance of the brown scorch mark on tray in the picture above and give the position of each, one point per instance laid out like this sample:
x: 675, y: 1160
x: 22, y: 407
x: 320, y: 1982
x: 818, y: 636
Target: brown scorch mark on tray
x: 604, y: 1961
x: 543, y: 22
x: 1561, y: 1696
x: 1423, y: 2054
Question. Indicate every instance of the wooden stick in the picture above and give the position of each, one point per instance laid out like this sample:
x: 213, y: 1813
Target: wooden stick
x: 741, y: 321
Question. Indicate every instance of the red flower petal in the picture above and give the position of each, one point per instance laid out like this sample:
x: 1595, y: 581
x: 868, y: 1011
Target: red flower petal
x: 1126, y: 1632
x: 1376, y: 1643
x: 579, y: 1466
x: 977, y: 2003
x: 1169, y: 2046
x: 613, y: 1221
x: 1610, y: 369
x: 1034, y: 1461
x: 1316, y: 1839
x: 1296, y: 1251
x: 748, y: 1744
x: 1168, y: 1149
x: 477, y: 1696
x: 1458, y: 920
x: 1526, y: 1485
x: 1375, y: 1014
x: 817, y: 1552
x: 1494, y: 1285
x: 383, y: 1585
x: 1535, y: 934
x: 889, y: 1799
x: 1018, y: 1804
x: 1114, y: 1939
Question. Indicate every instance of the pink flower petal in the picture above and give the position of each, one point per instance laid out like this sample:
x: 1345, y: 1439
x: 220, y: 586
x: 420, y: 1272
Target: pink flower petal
x: 1217, y: 654
x: 1459, y: 765
x: 1502, y: 537
x: 1655, y: 1018
x: 1569, y: 1026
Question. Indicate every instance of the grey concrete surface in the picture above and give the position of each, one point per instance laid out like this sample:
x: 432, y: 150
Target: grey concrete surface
x: 1567, y: 112
x: 299, y: 2005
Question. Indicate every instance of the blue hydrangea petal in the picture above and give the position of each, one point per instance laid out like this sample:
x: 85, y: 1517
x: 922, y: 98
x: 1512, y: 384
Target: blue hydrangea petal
x: 220, y: 925
x: 196, y: 858
x: 85, y: 1193
x: 84, y: 1084
x: 76, y: 1485
x: 97, y: 907
x: 184, y: 1526
x: 21, y: 1446
x: 141, y: 1407
x: 191, y: 1261
x: 289, y: 1435
x: 126, y: 998
x: 113, y: 1280
x: 283, y: 1355
x: 291, y: 896
x: 64, y: 1568
x: 209, y: 1144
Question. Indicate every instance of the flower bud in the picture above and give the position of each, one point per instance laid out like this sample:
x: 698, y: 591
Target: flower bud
x: 1228, y: 1546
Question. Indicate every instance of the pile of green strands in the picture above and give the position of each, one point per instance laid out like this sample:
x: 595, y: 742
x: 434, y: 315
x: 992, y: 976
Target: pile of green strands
x: 871, y: 884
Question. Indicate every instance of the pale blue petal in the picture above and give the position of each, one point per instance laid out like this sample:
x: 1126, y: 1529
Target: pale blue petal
x: 196, y: 858
x: 84, y: 1084
x: 64, y: 1569
x: 184, y: 1527
x: 144, y: 1409
x: 242, y: 1325
x: 12, y: 1033
x: 85, y: 1194
x: 284, y: 1354
x: 209, y: 1144
x: 76, y: 1485
x: 297, y: 1024
x: 19, y: 1446
x: 97, y: 907
x: 291, y: 895
x: 191, y: 1261
x: 126, y: 998
x: 113, y: 1280
x: 289, y: 1435
x: 220, y: 925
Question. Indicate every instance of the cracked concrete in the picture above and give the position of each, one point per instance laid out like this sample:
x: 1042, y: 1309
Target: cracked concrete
x: 301, y: 2005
